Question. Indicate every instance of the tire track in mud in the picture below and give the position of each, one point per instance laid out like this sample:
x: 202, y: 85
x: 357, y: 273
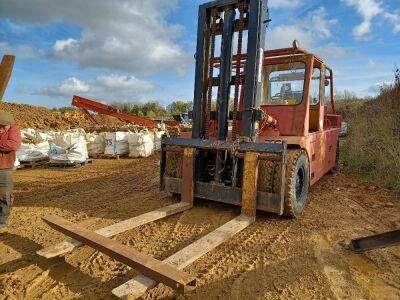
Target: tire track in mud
x: 236, y: 257
x: 265, y: 231
x: 274, y: 258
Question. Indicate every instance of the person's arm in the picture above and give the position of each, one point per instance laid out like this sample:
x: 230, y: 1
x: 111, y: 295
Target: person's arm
x: 13, y: 142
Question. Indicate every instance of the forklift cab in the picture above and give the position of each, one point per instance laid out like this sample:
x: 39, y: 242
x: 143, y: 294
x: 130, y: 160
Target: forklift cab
x: 297, y: 91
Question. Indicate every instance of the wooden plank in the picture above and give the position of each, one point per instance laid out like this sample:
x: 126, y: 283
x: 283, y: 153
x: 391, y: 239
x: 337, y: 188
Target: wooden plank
x: 187, y: 189
x: 6, y: 67
x: 249, y: 189
x: 137, y: 286
x: 149, y: 266
x: 109, y: 231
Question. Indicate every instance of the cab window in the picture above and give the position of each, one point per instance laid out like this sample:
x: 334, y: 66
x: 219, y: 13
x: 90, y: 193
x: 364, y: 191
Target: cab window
x: 284, y: 83
x: 316, y: 87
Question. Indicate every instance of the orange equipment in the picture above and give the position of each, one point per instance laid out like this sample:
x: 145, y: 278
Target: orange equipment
x: 86, y: 105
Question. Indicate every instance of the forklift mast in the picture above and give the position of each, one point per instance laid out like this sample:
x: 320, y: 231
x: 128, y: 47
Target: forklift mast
x: 219, y: 21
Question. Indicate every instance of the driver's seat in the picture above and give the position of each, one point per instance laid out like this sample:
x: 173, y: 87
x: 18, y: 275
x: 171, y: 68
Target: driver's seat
x: 286, y: 91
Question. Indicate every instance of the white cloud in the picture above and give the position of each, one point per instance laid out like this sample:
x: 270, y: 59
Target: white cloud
x: 394, y: 18
x: 133, y: 36
x: 310, y: 32
x: 333, y: 51
x: 20, y: 51
x: 282, y: 37
x: 371, y: 63
x: 321, y: 25
x: 368, y: 10
x: 103, y: 87
x: 123, y: 82
x: 67, y: 87
x: 284, y: 3
x: 376, y: 88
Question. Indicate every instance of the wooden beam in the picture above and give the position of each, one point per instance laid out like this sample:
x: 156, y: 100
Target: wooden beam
x: 109, y: 231
x: 151, y: 267
x: 187, y: 189
x: 137, y: 286
x: 249, y: 189
x: 6, y: 67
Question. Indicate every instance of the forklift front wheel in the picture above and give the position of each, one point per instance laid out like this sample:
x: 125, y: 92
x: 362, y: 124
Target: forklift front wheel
x: 297, y: 182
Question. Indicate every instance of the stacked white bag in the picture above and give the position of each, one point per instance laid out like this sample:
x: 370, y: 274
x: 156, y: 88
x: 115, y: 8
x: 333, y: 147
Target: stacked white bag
x: 35, y: 145
x: 68, y: 147
x: 16, y: 163
x: 141, y: 144
x: 96, y: 143
x: 157, y: 139
x: 116, y: 143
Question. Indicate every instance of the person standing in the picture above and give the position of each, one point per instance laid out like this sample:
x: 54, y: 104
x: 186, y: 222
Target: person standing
x: 10, y: 141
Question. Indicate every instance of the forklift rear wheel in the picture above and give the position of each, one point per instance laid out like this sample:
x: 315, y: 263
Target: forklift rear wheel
x: 297, y: 182
x: 335, y: 168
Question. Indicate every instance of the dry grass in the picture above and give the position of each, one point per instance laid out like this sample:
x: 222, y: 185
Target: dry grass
x: 372, y: 148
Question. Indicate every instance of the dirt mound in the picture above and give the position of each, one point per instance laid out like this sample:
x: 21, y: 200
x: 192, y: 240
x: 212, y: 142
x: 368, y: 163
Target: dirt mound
x: 28, y: 116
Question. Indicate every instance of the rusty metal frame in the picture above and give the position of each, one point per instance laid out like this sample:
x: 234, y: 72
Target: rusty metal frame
x: 376, y: 241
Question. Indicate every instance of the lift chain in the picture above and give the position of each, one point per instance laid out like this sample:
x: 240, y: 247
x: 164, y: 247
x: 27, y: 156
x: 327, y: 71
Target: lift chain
x: 211, y: 71
x: 237, y: 80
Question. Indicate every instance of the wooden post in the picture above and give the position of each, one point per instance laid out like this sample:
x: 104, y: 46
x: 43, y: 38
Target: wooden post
x: 249, y: 189
x: 6, y: 68
x: 187, y: 189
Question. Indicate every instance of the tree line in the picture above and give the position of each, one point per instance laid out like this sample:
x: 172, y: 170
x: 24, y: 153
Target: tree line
x: 150, y: 109
x: 154, y: 109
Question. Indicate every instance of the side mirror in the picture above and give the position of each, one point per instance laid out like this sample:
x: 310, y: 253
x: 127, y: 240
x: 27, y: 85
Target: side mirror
x: 327, y: 82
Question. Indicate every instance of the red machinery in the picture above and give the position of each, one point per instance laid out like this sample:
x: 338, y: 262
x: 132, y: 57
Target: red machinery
x: 86, y: 105
x: 277, y: 141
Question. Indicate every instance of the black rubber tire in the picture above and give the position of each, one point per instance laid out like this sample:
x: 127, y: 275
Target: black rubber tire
x: 336, y: 167
x: 297, y: 183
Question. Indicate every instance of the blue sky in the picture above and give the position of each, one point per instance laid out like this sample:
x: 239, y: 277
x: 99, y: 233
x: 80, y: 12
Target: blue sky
x: 135, y: 50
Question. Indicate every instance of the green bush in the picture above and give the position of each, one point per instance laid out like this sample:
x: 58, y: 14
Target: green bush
x: 372, y: 148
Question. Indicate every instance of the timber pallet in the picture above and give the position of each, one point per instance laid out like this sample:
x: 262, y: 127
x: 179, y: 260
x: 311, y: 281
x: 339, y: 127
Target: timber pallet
x: 153, y: 271
x: 65, y: 165
x: 33, y: 163
x: 108, y: 156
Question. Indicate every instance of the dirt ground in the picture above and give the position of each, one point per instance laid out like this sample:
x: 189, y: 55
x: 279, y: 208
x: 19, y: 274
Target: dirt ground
x: 275, y: 258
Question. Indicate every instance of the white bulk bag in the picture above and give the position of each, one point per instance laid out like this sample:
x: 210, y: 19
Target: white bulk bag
x: 34, y: 145
x: 157, y: 139
x: 29, y: 152
x: 96, y: 143
x: 116, y: 143
x: 42, y: 147
x: 16, y: 163
x: 141, y: 144
x: 28, y: 133
x: 68, y: 147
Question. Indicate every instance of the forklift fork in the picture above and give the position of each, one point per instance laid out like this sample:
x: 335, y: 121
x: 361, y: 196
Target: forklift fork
x: 376, y: 241
x: 170, y: 271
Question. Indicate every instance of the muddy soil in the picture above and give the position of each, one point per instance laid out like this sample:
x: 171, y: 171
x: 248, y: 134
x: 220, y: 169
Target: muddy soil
x: 275, y: 258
